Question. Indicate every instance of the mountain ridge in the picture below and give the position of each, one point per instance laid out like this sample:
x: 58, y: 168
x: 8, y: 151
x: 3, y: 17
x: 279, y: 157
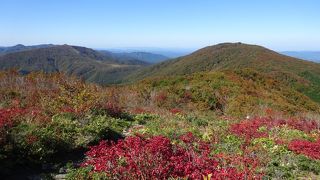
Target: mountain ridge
x: 80, y: 61
x: 301, y: 75
x: 21, y: 47
x: 223, y: 56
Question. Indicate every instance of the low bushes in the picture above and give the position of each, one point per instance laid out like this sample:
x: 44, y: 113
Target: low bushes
x: 310, y: 149
x: 157, y: 157
x: 63, y: 134
x: 259, y: 127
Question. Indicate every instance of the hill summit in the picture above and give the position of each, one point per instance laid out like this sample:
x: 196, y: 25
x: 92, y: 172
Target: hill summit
x: 230, y: 56
x: 301, y: 75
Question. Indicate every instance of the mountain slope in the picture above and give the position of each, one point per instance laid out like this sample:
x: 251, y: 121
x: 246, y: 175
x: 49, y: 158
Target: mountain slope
x: 80, y: 61
x: 229, y: 92
x: 230, y: 56
x: 303, y: 76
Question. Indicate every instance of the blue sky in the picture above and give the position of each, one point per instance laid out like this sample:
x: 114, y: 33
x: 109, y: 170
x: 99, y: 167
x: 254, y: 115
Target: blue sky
x: 277, y: 24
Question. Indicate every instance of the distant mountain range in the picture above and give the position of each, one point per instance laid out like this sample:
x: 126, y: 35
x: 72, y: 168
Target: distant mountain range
x: 102, y: 67
x: 306, y: 55
x: 167, y: 52
x: 20, y: 47
x: 141, y: 56
x: 86, y: 63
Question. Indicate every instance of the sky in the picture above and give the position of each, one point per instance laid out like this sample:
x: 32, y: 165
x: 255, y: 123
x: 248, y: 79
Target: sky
x: 190, y: 24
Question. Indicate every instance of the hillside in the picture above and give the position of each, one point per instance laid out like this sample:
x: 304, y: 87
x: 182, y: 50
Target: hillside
x: 303, y: 76
x: 186, y: 127
x: 86, y: 63
x: 230, y: 56
x: 233, y: 93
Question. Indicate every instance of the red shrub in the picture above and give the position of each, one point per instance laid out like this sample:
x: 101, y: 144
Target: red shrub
x: 161, y: 97
x: 310, y: 149
x: 30, y: 139
x: 158, y: 158
x: 175, y: 111
x: 7, y: 116
x: 7, y: 120
x: 139, y: 111
x: 186, y: 97
x: 67, y: 109
x: 250, y: 128
x: 269, y: 112
x: 113, y: 109
x: 303, y: 124
x: 15, y: 103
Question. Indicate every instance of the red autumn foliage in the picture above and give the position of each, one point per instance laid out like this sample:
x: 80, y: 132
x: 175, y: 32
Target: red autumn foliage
x: 250, y: 128
x: 140, y: 111
x: 161, y: 97
x: 303, y: 124
x: 157, y: 158
x: 67, y: 109
x: 186, y: 97
x: 269, y: 112
x: 310, y: 149
x: 7, y: 116
x: 175, y: 111
x: 113, y: 109
x: 7, y: 120
x: 30, y: 139
x: 15, y: 102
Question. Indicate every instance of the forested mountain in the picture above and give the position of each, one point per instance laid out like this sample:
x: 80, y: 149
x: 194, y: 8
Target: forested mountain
x: 301, y: 75
x: 86, y: 63
x: 20, y: 47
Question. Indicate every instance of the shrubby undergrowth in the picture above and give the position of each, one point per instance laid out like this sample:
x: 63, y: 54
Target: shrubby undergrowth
x: 155, y: 132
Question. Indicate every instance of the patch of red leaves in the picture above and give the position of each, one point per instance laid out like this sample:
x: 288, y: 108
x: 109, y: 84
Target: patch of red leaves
x: 161, y: 97
x: 310, y: 149
x: 7, y: 116
x: 157, y: 158
x: 250, y: 128
x: 303, y: 124
x: 139, y: 111
x: 7, y: 120
x: 175, y: 111
x: 113, y: 109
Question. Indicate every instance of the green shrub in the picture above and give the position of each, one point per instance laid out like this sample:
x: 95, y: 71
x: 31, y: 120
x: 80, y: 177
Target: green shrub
x: 64, y: 133
x: 144, y: 118
x: 288, y: 134
x: 229, y: 144
x: 85, y: 173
